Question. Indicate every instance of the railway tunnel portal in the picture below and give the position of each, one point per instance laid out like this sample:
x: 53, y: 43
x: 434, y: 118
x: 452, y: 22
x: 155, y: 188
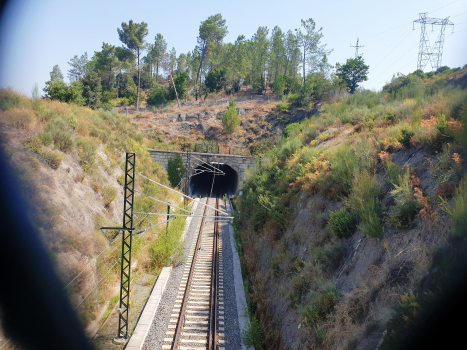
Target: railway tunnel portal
x: 209, y: 172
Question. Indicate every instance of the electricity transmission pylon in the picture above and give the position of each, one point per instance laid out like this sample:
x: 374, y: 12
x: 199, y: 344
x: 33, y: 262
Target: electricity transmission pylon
x: 356, y: 49
x: 426, y: 53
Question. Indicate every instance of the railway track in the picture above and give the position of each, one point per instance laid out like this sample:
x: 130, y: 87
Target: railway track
x: 197, y: 320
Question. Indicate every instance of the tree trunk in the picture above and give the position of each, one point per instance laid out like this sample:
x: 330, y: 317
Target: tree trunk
x: 110, y: 75
x: 137, y: 90
x: 157, y: 69
x: 201, y: 62
x: 304, y: 58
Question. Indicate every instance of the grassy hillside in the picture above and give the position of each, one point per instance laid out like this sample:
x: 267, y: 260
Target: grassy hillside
x: 342, y: 223
x: 70, y: 161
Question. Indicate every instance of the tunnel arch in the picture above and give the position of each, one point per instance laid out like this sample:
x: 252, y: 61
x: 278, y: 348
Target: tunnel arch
x: 203, y: 175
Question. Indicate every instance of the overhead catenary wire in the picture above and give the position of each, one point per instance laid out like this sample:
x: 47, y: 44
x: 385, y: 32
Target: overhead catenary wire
x: 111, y: 243
x: 210, y: 165
x: 155, y: 225
x: 192, y: 215
x: 82, y: 301
x: 184, y: 195
x: 158, y: 200
x: 89, y: 264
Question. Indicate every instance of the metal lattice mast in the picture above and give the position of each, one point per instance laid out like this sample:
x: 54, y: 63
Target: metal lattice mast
x: 425, y: 53
x: 129, y: 193
x: 438, y: 48
x: 356, y: 49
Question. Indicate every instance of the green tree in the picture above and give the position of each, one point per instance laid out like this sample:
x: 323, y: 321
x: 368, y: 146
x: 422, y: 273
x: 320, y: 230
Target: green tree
x: 292, y: 52
x: 158, y: 51
x: 106, y: 62
x: 79, y: 67
x: 56, y: 74
x: 55, y: 88
x: 181, y: 63
x: 278, y: 85
x: 215, y: 79
x: 158, y: 96
x: 309, y: 41
x: 181, y: 84
x: 353, y: 72
x: 231, y: 120
x: 260, y: 54
x: 175, y: 170
x: 315, y: 89
x: 172, y: 61
x: 92, y: 90
x: 75, y: 93
x: 132, y: 35
x: 211, y: 33
x: 278, y: 56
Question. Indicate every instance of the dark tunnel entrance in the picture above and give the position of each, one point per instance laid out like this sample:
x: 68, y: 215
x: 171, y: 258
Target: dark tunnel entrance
x: 225, y: 180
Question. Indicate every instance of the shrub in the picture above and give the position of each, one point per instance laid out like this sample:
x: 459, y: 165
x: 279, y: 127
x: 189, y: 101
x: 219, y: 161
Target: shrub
x: 342, y: 223
x: 8, y: 99
x: 282, y: 107
x: 370, y: 222
x: 364, y: 202
x: 109, y: 195
x: 294, y: 100
x: 175, y: 170
x: 406, y: 204
x: 321, y: 304
x: 343, y: 165
x: 330, y: 255
x: 45, y: 137
x: 86, y: 153
x: 168, y: 249
x: 53, y: 159
x: 18, y: 118
x: 252, y: 334
x: 231, y: 120
x: 458, y: 210
x: 406, y: 135
x: 289, y: 147
x: 393, y: 172
x: 63, y: 141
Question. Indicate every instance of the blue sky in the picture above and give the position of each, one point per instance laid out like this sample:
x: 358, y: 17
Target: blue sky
x: 36, y: 35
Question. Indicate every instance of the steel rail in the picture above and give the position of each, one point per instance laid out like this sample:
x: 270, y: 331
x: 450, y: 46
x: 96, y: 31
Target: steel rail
x: 181, y: 317
x: 214, y: 284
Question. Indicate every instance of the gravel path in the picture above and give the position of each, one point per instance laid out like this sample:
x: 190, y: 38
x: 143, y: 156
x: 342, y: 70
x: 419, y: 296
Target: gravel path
x: 158, y: 329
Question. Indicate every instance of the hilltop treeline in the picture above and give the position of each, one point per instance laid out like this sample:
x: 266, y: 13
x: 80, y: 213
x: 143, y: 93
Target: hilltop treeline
x: 292, y: 62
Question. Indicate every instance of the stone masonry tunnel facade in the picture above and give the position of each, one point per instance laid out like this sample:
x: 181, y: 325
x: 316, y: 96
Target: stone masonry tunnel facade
x: 238, y: 163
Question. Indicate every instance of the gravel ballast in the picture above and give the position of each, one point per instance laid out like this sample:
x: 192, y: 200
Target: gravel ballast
x: 159, y: 327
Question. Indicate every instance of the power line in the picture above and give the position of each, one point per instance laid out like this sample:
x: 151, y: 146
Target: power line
x: 391, y: 44
x: 396, y: 61
x: 400, y: 42
x: 461, y: 14
x: 443, y: 6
